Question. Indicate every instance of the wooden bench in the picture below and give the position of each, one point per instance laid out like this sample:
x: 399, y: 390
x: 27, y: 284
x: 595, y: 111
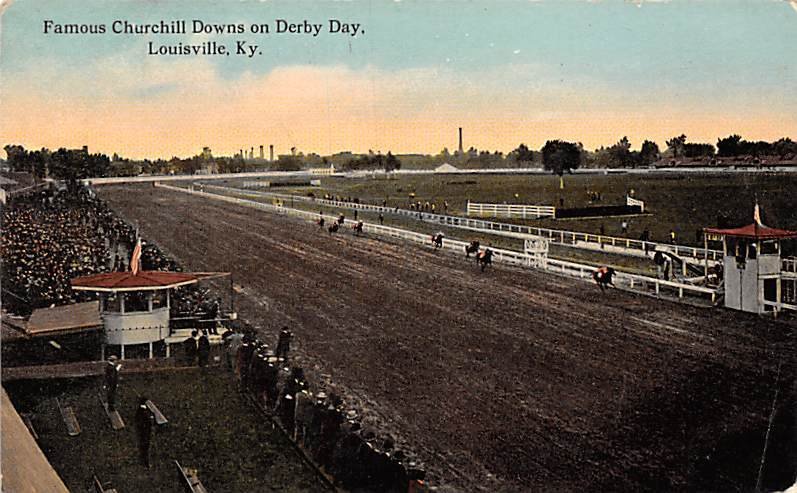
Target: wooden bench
x: 29, y: 424
x: 102, y: 488
x: 189, y: 480
x: 160, y: 419
x: 116, y: 420
x: 68, y: 415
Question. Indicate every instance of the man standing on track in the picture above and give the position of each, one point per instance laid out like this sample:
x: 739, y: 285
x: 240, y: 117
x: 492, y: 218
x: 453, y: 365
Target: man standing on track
x: 283, y: 343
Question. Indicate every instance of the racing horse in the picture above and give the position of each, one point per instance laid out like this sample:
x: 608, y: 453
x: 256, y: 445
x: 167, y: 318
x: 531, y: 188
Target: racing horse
x: 358, y: 227
x: 333, y: 228
x: 341, y: 219
x: 437, y: 240
x: 472, y: 248
x: 484, y: 258
x: 320, y: 223
x: 603, y: 277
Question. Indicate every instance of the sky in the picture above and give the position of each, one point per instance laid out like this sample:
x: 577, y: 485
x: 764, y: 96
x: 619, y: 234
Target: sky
x: 507, y: 71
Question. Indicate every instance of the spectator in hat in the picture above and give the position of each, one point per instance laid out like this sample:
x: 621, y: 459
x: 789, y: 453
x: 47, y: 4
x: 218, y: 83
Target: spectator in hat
x: 112, y: 381
x: 190, y: 348
x: 283, y: 343
x: 203, y: 350
x: 144, y: 422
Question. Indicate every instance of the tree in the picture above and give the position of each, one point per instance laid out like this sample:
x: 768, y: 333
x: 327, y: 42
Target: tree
x: 649, y: 153
x: 392, y: 163
x: 677, y: 145
x: 559, y: 156
x: 729, y: 146
x: 287, y: 163
x: 698, y: 150
x: 621, y: 153
x: 523, y: 154
x: 784, y: 147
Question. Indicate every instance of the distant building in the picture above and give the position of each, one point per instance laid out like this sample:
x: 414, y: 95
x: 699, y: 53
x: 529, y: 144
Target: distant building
x: 322, y: 171
x: 208, y: 168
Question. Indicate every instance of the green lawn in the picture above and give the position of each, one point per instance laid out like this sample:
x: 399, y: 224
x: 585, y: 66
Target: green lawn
x: 211, y: 428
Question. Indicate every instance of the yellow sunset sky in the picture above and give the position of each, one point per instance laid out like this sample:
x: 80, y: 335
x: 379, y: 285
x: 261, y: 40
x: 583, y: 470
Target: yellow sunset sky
x: 401, y: 86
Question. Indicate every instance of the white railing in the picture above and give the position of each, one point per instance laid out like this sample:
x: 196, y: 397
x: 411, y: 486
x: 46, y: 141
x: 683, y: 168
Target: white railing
x: 694, y: 255
x: 778, y: 306
x: 632, y: 201
x: 630, y: 281
x: 509, y: 210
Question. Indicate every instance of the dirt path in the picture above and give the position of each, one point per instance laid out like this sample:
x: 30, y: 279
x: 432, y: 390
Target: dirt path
x: 511, y: 380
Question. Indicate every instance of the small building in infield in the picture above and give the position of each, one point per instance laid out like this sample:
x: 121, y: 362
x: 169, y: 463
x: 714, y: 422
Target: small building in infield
x: 753, y: 271
x: 134, y: 307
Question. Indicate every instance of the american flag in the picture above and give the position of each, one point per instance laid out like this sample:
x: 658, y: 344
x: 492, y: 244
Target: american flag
x: 135, y: 261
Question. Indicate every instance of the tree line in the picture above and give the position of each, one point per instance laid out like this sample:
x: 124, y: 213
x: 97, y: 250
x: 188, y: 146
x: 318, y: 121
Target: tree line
x: 557, y: 156
x: 63, y: 164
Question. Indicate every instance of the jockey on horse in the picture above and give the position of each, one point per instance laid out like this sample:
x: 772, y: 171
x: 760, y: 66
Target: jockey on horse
x: 484, y: 258
x: 603, y: 277
x: 472, y: 248
x: 437, y: 239
x: 358, y: 227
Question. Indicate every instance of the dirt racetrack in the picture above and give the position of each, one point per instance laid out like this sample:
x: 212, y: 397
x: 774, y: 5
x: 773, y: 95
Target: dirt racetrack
x: 508, y: 380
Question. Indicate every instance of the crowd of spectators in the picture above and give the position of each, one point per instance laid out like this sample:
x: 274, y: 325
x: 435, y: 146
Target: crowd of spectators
x: 319, y: 421
x: 52, y: 236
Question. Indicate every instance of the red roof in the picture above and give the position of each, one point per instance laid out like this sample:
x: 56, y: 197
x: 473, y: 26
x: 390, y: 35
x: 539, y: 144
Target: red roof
x: 126, y: 281
x: 754, y: 230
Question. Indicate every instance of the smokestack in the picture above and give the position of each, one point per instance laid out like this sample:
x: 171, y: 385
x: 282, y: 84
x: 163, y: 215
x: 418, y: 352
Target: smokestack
x: 271, y: 152
x: 251, y: 152
x: 460, y: 140
x: 261, y: 152
x: 241, y: 153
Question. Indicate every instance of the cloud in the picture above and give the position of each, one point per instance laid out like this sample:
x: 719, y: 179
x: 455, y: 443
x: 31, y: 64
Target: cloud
x: 163, y: 107
x: 4, y: 5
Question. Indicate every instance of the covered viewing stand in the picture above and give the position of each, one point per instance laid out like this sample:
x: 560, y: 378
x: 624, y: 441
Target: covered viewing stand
x: 135, y: 308
x: 752, y: 266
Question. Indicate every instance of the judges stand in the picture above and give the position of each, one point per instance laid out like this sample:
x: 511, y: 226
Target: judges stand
x: 754, y: 273
x: 134, y: 307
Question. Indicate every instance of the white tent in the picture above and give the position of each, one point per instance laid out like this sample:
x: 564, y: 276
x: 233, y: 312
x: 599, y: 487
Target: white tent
x: 446, y: 168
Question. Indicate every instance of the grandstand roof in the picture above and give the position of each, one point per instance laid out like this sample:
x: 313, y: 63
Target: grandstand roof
x: 754, y: 230
x: 67, y: 318
x: 25, y: 468
x: 126, y: 281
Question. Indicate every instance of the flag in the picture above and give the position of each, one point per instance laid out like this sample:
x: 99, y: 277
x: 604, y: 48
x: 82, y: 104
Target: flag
x: 135, y: 261
x: 757, y: 215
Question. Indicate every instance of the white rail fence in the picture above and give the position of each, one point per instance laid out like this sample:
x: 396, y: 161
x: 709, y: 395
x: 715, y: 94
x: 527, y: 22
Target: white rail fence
x: 632, y: 201
x: 509, y: 210
x: 573, y: 239
x: 256, y: 184
x: 629, y: 281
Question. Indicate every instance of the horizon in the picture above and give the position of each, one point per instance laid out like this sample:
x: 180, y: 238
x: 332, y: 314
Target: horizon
x: 508, y: 73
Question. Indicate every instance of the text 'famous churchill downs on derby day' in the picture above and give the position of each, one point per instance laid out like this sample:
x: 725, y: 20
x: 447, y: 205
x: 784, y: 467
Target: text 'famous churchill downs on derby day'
x: 200, y: 27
